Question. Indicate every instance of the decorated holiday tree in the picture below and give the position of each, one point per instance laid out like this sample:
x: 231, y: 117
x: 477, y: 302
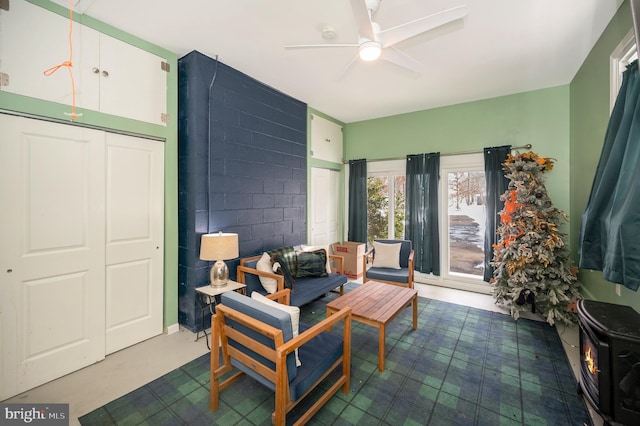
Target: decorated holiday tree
x: 533, y: 267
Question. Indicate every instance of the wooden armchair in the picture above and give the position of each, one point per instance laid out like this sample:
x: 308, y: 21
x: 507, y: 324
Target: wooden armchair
x: 402, y: 276
x: 257, y: 339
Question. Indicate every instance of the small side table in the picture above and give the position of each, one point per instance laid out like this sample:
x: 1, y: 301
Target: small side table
x: 208, y: 295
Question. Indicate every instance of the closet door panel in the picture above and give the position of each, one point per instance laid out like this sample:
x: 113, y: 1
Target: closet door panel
x: 51, y: 251
x: 135, y: 238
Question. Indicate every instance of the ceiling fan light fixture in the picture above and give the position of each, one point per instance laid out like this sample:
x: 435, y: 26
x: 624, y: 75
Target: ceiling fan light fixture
x: 370, y: 50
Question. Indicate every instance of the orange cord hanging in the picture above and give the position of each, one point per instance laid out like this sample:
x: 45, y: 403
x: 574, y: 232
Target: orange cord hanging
x: 68, y: 64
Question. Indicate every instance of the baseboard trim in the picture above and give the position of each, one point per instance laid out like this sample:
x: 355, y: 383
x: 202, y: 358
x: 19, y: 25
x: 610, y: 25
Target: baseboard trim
x: 173, y: 328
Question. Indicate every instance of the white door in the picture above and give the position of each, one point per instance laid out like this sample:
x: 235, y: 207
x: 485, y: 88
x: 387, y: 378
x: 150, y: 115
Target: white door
x: 134, y: 239
x: 52, y: 250
x: 325, y: 195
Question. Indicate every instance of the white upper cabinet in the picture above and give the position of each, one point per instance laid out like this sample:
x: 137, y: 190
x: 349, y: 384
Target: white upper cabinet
x: 110, y: 76
x: 326, y: 139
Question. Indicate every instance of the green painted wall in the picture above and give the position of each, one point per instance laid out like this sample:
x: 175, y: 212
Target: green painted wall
x: 169, y: 133
x: 589, y: 119
x: 539, y: 118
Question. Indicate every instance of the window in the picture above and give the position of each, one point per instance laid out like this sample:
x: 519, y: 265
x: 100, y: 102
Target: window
x: 623, y: 55
x: 386, y: 198
x: 462, y: 213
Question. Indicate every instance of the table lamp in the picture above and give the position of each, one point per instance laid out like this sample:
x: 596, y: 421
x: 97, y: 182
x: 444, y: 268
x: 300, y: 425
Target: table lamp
x: 219, y: 247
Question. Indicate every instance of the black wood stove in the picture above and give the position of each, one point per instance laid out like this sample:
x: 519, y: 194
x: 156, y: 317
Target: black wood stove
x: 610, y: 360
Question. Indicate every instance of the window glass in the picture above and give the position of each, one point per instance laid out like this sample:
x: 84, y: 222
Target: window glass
x: 386, y: 196
x: 466, y: 220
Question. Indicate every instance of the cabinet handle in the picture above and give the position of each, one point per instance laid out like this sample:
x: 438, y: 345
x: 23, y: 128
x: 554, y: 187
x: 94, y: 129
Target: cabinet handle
x: 105, y: 74
x: 95, y: 70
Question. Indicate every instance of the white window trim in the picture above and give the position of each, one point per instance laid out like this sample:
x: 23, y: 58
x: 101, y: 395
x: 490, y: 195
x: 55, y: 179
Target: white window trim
x: 618, y: 61
x: 388, y: 169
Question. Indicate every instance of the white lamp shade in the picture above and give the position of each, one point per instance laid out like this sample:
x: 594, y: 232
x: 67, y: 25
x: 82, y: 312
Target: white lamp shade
x: 219, y: 246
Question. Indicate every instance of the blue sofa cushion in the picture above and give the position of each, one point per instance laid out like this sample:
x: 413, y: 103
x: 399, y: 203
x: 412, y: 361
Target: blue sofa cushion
x: 317, y: 355
x: 309, y: 289
x: 252, y: 281
x: 305, y: 290
x: 267, y: 314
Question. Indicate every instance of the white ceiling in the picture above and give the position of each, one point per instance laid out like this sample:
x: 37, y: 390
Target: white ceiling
x: 501, y: 47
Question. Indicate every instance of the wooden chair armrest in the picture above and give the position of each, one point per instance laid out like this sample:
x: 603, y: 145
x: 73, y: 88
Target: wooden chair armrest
x: 340, y: 260
x: 411, y: 256
x: 324, y: 325
x: 368, y: 253
x: 241, y: 270
x: 281, y: 296
x: 248, y: 259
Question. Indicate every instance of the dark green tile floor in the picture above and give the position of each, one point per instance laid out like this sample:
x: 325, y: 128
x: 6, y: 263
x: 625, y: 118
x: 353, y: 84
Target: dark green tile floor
x: 463, y: 366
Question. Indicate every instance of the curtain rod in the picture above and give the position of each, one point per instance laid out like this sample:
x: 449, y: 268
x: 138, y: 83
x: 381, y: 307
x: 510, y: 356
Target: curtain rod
x: 475, y: 151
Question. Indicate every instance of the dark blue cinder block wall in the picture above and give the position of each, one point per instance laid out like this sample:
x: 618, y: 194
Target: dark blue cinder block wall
x: 242, y: 168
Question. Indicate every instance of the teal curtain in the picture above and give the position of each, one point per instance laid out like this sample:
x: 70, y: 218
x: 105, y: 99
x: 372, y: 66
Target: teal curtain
x: 496, y: 185
x: 357, y: 201
x: 421, y: 210
x: 611, y: 220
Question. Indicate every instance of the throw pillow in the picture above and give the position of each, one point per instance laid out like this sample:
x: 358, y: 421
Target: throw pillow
x: 312, y: 264
x: 280, y: 267
x: 326, y: 250
x: 386, y: 255
x: 294, y: 311
x: 264, y: 265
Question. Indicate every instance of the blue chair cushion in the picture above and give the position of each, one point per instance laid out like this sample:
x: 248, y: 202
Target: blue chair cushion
x: 317, y: 355
x: 269, y: 315
x: 389, y: 274
x: 405, y: 251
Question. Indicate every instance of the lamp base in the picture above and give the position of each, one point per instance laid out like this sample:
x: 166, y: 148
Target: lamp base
x: 219, y: 274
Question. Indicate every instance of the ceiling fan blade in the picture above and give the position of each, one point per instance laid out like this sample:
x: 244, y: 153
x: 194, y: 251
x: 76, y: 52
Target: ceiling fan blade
x: 313, y: 46
x: 401, y: 59
x: 360, y: 12
x: 349, y: 65
x: 402, y: 32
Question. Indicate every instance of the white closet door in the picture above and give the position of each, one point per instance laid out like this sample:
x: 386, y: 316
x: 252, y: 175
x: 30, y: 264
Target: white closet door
x: 135, y: 235
x: 325, y: 195
x: 52, y: 249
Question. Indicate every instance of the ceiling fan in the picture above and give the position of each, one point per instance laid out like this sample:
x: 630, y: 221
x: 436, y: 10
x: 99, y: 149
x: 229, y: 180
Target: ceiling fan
x: 374, y: 43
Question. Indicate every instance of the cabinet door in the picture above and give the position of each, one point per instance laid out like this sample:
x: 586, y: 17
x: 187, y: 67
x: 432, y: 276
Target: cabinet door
x: 134, y: 239
x: 52, y: 251
x: 110, y: 76
x: 326, y: 139
x: 26, y: 53
x: 132, y: 82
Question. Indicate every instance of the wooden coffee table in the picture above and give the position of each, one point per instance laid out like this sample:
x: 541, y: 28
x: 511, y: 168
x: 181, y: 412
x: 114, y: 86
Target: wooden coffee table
x: 376, y: 304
